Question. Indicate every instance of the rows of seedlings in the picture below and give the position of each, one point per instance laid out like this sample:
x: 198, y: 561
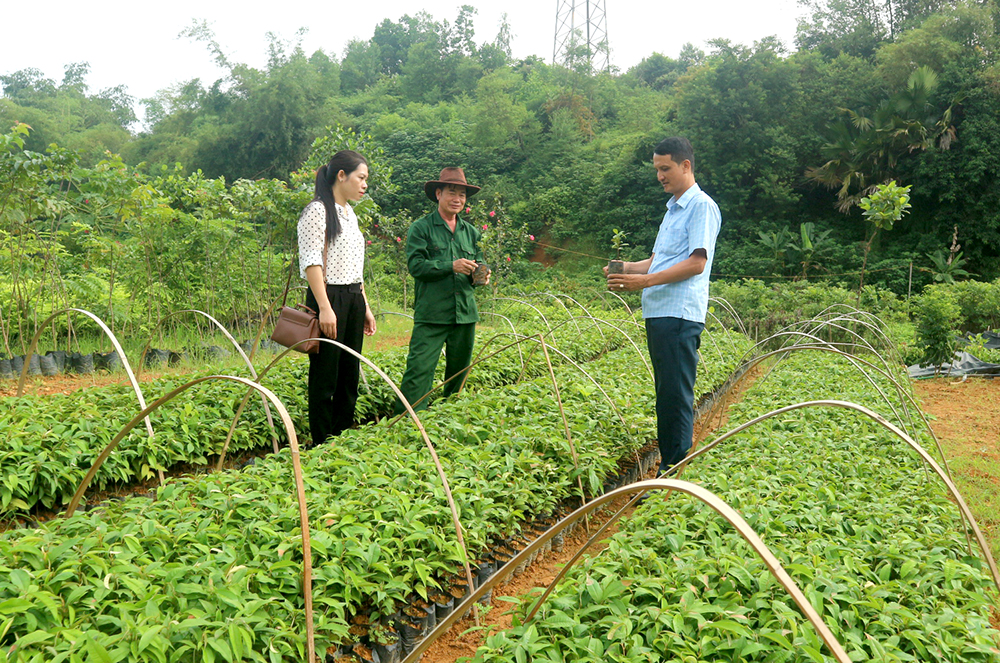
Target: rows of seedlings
x: 864, y: 529
x: 211, y: 569
x: 51, y: 441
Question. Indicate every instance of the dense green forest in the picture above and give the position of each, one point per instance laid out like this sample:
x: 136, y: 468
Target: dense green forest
x: 788, y: 142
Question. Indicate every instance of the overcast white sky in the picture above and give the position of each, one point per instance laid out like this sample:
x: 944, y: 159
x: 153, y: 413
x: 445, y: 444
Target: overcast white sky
x: 137, y: 45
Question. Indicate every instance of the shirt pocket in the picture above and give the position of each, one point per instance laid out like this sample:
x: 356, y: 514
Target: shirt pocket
x: 673, y: 240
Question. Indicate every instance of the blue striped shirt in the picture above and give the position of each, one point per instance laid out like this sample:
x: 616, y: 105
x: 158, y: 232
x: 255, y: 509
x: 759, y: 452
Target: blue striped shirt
x: 691, y: 222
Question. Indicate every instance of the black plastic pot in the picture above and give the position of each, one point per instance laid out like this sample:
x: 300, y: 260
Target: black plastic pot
x: 156, y: 357
x: 34, y: 365
x: 81, y: 364
x: 366, y: 654
x: 212, y: 352
x: 409, y: 635
x: 443, y: 606
x: 616, y: 267
x: 47, y: 365
x: 107, y: 362
x: 6, y: 372
x: 59, y: 357
x: 389, y: 653
x: 483, y: 573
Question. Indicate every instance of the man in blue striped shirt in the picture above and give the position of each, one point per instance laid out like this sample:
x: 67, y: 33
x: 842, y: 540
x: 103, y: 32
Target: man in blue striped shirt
x: 674, y: 284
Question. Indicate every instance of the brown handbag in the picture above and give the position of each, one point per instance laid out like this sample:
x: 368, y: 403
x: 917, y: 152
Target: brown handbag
x: 296, y: 325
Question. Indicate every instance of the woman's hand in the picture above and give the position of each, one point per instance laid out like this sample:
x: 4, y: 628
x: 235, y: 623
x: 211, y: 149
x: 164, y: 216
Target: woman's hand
x: 328, y: 323
x: 369, y: 322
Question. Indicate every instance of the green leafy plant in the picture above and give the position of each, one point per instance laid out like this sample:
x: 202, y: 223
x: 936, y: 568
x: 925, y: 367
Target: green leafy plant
x: 618, y: 242
x: 937, y: 321
x: 884, y: 207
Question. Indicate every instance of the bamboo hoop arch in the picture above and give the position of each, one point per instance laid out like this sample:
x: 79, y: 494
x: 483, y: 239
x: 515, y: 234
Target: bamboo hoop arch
x: 873, y: 321
x: 520, y: 339
x: 416, y: 420
x: 267, y: 316
x: 520, y: 354
x: 964, y: 513
x: 548, y: 327
x: 121, y: 353
x: 889, y: 347
x: 628, y: 308
x: 885, y: 364
x: 617, y: 329
x: 239, y: 350
x: 731, y: 310
x: 702, y: 494
x: 826, y: 347
x: 296, y: 469
x: 558, y: 301
x: 817, y: 341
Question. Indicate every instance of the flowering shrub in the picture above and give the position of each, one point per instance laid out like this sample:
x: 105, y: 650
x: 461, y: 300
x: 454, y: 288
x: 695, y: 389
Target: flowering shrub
x: 503, y: 240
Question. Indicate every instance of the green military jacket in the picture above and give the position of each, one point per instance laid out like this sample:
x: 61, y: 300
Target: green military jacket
x: 441, y: 296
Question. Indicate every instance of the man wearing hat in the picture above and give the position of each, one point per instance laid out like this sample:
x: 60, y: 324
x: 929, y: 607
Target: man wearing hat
x: 441, y: 253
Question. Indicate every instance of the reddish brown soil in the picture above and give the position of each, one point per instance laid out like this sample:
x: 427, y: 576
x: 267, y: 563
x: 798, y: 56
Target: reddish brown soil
x: 457, y: 643
x: 966, y: 417
x: 64, y: 384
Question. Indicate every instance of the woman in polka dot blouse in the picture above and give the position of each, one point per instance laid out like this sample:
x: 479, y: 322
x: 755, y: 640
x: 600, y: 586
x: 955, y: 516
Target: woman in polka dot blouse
x: 331, y: 259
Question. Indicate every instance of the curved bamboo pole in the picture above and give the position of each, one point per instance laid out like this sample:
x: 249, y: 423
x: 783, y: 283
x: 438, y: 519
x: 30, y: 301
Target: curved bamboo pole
x: 628, y: 308
x: 586, y: 312
x: 706, y: 496
x: 731, y: 310
x: 562, y: 413
x: 239, y: 350
x: 267, y: 316
x: 114, y: 342
x: 889, y: 347
x: 621, y: 331
x: 420, y: 428
x: 520, y: 354
x: 558, y: 301
x: 865, y: 318
x: 296, y: 469
x: 885, y: 364
x: 850, y: 358
x: 826, y: 347
x: 964, y: 512
x: 521, y: 301
x: 521, y: 339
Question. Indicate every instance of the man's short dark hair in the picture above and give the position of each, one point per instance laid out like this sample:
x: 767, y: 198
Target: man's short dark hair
x: 678, y: 148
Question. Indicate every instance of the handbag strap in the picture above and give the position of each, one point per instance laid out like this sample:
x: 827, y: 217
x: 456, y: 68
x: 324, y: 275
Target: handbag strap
x: 291, y: 270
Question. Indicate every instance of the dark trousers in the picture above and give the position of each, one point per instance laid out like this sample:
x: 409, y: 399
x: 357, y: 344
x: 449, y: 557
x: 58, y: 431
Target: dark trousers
x: 425, y: 350
x: 673, y: 348
x: 333, y: 372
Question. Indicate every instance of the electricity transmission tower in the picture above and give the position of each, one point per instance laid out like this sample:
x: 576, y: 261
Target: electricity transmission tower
x: 581, y: 35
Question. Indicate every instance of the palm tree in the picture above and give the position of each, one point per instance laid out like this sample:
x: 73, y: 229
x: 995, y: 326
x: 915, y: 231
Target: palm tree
x: 866, y: 145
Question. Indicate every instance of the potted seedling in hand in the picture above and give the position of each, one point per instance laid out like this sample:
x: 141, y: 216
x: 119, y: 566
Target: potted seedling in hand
x: 618, y: 243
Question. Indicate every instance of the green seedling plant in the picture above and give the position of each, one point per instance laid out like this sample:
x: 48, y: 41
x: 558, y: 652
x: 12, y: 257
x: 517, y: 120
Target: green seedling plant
x: 874, y: 545
x: 883, y: 208
x: 211, y: 569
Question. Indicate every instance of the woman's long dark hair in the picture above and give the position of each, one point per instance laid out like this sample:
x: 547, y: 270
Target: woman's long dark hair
x: 344, y: 160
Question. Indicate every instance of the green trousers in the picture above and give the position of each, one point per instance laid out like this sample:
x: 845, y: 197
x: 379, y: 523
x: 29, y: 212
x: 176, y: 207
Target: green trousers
x: 425, y: 350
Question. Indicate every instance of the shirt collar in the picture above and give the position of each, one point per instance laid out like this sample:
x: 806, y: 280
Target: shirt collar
x: 440, y: 219
x: 685, y: 198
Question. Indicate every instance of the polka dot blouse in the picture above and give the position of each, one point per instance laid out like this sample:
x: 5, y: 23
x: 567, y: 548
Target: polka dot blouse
x: 345, y: 258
